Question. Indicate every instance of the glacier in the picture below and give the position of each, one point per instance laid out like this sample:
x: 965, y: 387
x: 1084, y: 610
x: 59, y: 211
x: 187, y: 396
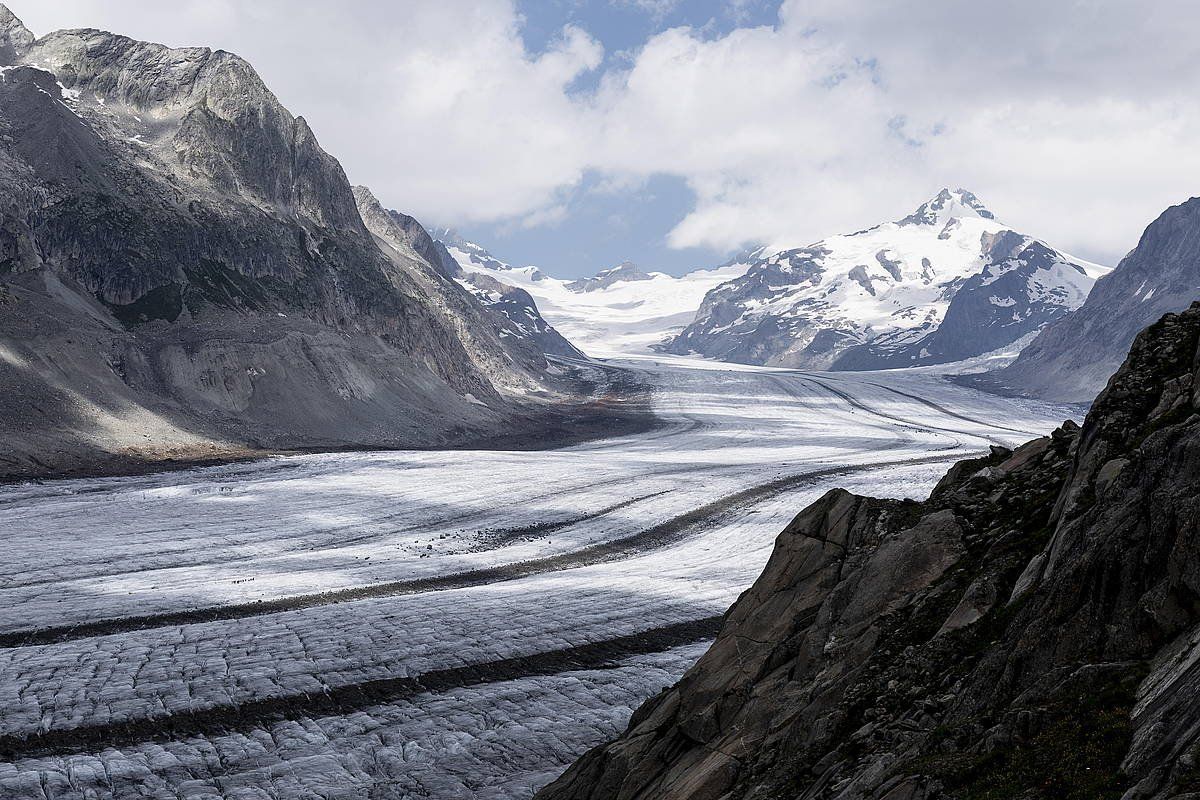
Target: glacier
x: 427, y: 624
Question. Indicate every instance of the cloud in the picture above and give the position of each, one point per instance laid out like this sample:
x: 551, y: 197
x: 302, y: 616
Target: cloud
x: 438, y: 107
x: 658, y: 9
x: 1073, y: 120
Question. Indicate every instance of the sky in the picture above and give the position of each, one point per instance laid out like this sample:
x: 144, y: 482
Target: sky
x: 576, y: 134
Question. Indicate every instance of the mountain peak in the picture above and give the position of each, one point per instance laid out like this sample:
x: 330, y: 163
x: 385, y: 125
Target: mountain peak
x: 477, y: 254
x: 623, y: 272
x: 15, y: 38
x: 626, y: 269
x: 946, y: 205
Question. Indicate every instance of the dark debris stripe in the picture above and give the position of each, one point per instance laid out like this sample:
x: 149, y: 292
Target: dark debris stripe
x: 942, y: 409
x: 673, y: 531
x: 911, y: 423
x: 262, y: 713
x: 496, y: 538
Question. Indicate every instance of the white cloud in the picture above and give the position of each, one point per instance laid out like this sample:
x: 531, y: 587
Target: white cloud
x: 437, y: 106
x: 1074, y: 120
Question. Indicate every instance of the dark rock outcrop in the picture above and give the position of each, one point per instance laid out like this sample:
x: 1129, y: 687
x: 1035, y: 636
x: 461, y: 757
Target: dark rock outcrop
x: 1030, y: 631
x: 1072, y: 358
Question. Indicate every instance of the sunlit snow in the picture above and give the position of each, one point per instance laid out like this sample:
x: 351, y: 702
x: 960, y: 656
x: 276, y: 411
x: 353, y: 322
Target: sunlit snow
x: 426, y: 624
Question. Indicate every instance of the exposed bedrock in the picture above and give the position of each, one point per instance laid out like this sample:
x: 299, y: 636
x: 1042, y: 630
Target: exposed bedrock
x: 185, y: 274
x: 1030, y: 630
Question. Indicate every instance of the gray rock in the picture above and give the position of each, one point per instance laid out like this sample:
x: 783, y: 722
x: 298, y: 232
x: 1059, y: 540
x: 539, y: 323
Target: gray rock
x: 185, y: 273
x: 625, y: 271
x: 871, y: 658
x: 1072, y: 358
x: 500, y: 325
x: 15, y: 38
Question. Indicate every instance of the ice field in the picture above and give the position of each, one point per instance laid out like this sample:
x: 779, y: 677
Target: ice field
x: 457, y: 624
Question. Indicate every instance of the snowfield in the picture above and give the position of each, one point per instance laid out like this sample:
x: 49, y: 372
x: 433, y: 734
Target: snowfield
x: 626, y: 317
x: 945, y: 283
x: 426, y: 624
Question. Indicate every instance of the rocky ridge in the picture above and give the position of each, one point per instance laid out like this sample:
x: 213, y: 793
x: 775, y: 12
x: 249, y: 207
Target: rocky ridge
x: 498, y: 323
x: 1031, y: 630
x: 1071, y: 358
x: 185, y: 274
x: 945, y: 283
x: 624, y: 272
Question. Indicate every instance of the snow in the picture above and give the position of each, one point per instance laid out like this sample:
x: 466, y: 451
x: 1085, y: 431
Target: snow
x: 70, y: 95
x: 627, y: 318
x: 632, y: 317
x: 397, y: 566
x: 918, y: 289
x: 894, y: 281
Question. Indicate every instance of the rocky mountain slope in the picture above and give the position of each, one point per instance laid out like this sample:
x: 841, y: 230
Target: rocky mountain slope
x: 517, y: 314
x: 624, y: 272
x: 1072, y: 358
x: 945, y: 283
x: 1031, y: 630
x: 184, y: 272
x: 620, y: 311
x: 495, y: 321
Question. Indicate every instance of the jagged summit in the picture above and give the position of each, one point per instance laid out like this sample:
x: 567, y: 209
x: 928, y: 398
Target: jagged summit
x: 15, y: 38
x: 945, y: 283
x: 947, y: 205
x: 474, y: 254
x: 148, y: 74
x: 625, y: 271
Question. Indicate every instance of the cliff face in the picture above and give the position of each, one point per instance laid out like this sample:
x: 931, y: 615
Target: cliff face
x: 500, y: 324
x: 1031, y: 630
x: 185, y: 272
x: 1073, y: 357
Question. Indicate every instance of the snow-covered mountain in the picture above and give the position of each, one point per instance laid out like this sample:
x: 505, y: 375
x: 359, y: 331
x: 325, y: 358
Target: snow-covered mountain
x: 620, y: 311
x: 945, y: 283
x: 518, y: 314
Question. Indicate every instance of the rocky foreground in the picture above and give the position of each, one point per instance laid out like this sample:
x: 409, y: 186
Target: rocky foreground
x: 1031, y: 630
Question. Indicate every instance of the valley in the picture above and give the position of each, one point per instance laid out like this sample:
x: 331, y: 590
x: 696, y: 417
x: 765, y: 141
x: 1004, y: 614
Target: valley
x: 442, y: 624
x: 301, y: 499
